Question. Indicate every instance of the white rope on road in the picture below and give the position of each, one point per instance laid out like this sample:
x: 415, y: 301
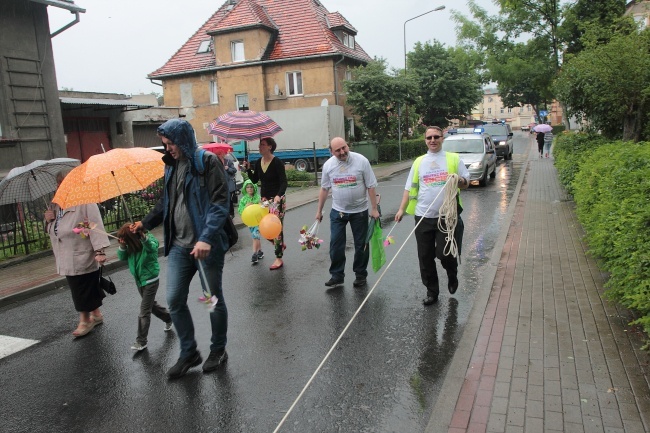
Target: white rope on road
x: 450, y: 189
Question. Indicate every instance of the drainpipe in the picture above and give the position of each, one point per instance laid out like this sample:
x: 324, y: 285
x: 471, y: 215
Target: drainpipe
x: 336, y: 81
x: 67, y: 26
x: 157, y: 84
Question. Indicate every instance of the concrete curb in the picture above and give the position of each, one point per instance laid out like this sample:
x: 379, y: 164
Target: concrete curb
x: 443, y: 410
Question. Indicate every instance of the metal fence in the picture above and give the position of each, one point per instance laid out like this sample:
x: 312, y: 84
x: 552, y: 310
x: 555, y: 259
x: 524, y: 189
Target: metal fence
x: 22, y: 227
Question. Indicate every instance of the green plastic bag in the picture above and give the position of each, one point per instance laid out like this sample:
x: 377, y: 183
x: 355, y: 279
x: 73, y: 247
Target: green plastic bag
x: 377, y: 252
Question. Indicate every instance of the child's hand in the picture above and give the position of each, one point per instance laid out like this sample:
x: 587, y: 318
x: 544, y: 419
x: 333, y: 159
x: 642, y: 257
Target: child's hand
x: 121, y: 241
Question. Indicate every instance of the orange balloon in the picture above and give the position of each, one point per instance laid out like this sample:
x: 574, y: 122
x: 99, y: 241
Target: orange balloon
x: 270, y: 226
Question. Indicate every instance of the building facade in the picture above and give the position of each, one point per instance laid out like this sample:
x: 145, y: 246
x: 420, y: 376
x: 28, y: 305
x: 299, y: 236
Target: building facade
x: 262, y: 55
x: 31, y: 126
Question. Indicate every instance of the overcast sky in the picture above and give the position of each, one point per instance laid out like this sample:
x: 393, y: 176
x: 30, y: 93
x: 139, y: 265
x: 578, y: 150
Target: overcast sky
x: 118, y: 43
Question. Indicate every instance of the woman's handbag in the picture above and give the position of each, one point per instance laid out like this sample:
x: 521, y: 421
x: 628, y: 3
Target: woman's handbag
x: 106, y: 283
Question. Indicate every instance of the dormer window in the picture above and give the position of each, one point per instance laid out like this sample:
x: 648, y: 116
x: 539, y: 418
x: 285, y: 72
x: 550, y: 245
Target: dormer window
x: 204, y: 46
x: 237, y: 51
x: 348, y: 40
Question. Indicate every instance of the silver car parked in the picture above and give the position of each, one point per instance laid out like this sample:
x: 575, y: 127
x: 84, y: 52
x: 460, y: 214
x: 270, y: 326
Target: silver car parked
x: 477, y: 152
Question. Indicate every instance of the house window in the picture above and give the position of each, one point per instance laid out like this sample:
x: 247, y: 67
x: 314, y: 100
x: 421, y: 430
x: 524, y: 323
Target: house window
x: 294, y: 83
x: 214, y: 92
x: 348, y: 40
x: 204, y: 46
x: 348, y: 75
x: 119, y: 128
x: 242, y: 101
x: 489, y: 111
x: 501, y: 110
x: 237, y: 50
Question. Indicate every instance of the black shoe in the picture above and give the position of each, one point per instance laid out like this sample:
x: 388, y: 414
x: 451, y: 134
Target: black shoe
x: 430, y: 300
x: 453, y: 285
x: 333, y: 283
x: 183, y: 364
x: 254, y: 258
x: 359, y: 282
x: 216, y: 359
x: 260, y: 254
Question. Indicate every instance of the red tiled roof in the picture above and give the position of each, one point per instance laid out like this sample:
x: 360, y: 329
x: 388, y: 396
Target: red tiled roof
x: 302, y: 26
x: 246, y: 13
x: 337, y: 20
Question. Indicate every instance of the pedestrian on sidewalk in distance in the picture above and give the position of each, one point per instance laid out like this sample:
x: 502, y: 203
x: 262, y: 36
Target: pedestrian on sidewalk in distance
x: 540, y: 143
x: 425, y: 181
x: 140, y: 250
x: 548, y: 141
x: 78, y: 258
x: 352, y: 181
x: 270, y: 171
x: 249, y: 196
x: 193, y: 211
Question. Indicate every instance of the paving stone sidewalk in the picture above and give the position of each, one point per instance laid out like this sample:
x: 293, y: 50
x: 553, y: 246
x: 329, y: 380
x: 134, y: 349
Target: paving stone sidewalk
x: 545, y: 351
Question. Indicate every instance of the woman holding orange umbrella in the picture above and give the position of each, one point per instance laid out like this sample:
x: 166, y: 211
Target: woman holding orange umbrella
x: 78, y: 257
x: 270, y: 171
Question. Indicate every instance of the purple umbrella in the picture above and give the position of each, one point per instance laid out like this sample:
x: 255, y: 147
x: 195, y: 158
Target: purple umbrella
x: 243, y: 125
x: 543, y: 128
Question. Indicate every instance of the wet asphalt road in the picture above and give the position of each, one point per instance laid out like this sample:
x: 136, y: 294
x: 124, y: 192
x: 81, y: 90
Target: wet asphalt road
x: 384, y: 376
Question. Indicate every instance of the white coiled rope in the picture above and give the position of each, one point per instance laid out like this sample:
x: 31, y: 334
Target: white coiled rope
x: 450, y: 213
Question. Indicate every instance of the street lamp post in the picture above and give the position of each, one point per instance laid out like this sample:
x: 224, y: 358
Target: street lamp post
x: 439, y: 8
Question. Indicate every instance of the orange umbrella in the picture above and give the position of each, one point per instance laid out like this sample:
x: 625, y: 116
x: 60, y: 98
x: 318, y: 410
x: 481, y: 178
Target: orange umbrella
x: 108, y: 175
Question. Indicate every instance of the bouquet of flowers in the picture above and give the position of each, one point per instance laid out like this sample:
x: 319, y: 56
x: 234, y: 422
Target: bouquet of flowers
x: 388, y: 240
x: 308, y: 237
x: 85, y: 227
x: 209, y: 301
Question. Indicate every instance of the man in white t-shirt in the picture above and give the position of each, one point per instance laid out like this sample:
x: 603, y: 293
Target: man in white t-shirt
x: 432, y: 172
x: 352, y: 181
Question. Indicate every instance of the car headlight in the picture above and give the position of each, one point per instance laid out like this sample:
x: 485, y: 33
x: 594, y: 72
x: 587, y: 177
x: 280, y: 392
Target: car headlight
x: 476, y: 164
x: 501, y: 143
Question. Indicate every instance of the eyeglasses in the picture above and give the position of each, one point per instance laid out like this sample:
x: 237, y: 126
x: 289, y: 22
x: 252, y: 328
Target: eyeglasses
x: 434, y: 137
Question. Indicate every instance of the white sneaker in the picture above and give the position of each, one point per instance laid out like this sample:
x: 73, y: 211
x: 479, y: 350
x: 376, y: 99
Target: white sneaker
x: 137, y: 346
x: 168, y: 326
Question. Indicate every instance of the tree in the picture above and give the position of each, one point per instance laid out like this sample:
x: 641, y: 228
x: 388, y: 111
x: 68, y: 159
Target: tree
x: 524, y: 72
x: 449, y: 86
x: 609, y: 84
x: 583, y: 13
x: 375, y: 97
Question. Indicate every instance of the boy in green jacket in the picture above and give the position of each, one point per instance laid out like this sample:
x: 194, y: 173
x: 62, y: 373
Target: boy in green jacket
x: 249, y: 196
x: 140, y: 250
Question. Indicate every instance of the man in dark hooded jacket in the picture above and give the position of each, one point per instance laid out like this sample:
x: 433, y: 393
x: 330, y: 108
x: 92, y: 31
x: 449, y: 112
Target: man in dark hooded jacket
x: 193, y: 211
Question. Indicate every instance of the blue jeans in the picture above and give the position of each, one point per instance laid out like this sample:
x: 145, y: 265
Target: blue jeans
x: 181, y: 267
x: 359, y: 225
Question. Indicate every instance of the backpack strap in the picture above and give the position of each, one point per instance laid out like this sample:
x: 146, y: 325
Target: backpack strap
x: 199, y: 165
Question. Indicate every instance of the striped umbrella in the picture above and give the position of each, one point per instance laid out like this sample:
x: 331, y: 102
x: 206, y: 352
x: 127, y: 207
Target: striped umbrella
x: 243, y: 125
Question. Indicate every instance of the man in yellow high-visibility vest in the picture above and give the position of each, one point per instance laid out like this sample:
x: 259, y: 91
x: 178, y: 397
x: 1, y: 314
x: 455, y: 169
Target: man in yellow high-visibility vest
x: 426, y: 179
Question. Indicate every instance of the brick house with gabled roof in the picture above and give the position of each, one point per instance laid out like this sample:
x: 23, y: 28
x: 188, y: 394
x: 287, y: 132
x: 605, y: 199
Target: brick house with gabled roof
x: 263, y: 54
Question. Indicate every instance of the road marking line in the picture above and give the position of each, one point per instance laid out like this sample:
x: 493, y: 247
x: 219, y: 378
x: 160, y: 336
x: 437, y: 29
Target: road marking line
x: 11, y: 345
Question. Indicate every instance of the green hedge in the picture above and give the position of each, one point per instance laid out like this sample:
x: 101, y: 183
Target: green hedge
x: 569, y: 151
x: 612, y: 194
x: 389, y: 151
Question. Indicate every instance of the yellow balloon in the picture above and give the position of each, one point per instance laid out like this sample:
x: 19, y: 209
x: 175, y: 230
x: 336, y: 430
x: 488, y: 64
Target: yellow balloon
x: 270, y: 226
x: 252, y: 215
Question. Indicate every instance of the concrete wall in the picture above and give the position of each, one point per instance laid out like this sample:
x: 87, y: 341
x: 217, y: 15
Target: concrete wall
x: 30, y: 112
